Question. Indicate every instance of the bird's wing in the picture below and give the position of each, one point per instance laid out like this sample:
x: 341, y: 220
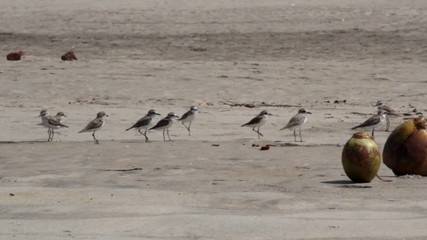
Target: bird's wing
x: 390, y: 111
x: 295, y: 121
x: 370, y: 122
x: 141, y: 122
x: 254, y: 120
x: 161, y: 123
x: 94, y: 124
x: 185, y: 116
x: 394, y: 113
x: 55, y: 122
x: 386, y: 108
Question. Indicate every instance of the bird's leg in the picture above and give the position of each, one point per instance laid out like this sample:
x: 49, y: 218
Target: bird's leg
x: 373, y: 130
x: 188, y: 128
x: 259, y: 133
x: 387, y: 123
x: 144, y: 134
x: 94, y: 138
x: 167, y: 130
x: 295, y: 135
x: 52, y: 133
x: 164, y: 139
x: 300, y: 137
x: 189, y: 131
x: 48, y: 132
x: 253, y: 129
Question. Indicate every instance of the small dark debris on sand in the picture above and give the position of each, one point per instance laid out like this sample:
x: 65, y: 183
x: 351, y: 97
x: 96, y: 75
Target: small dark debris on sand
x: 69, y: 56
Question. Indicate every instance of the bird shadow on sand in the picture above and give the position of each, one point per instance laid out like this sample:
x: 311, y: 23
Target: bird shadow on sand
x: 17, y: 142
x: 300, y: 144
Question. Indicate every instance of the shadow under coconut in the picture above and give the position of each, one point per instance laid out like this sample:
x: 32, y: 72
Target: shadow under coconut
x: 347, y: 184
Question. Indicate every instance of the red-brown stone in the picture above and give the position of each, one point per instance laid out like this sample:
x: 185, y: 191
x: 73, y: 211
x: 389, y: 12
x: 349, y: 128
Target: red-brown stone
x: 14, y: 56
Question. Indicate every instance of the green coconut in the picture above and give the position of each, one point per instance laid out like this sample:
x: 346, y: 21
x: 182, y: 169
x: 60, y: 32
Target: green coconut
x: 361, y: 158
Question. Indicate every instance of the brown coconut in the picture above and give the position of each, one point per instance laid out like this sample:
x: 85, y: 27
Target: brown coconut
x: 405, y: 151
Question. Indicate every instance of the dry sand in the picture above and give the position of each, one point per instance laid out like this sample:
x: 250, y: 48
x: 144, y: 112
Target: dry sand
x: 169, y: 55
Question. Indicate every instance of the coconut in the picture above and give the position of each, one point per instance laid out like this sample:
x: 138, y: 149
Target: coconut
x: 405, y: 151
x: 361, y: 157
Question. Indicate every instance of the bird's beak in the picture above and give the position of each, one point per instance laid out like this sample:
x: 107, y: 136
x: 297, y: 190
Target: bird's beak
x: 158, y: 114
x: 106, y: 115
x: 308, y: 112
x: 65, y: 115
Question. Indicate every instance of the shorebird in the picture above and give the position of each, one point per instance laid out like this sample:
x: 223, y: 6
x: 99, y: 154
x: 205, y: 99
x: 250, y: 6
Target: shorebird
x: 55, y: 123
x: 389, y: 113
x: 95, y: 125
x: 52, y: 122
x: 145, y: 123
x: 296, y: 122
x: 257, y: 122
x: 373, y: 121
x: 44, y: 115
x: 189, y: 117
x: 165, y: 124
x: 417, y: 114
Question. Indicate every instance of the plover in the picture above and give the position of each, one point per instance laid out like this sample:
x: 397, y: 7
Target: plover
x: 389, y: 113
x: 52, y: 122
x: 417, y: 114
x: 95, y: 125
x: 145, y: 123
x: 55, y: 123
x: 165, y: 124
x: 296, y: 122
x: 189, y: 117
x: 257, y: 122
x: 44, y: 115
x: 373, y: 122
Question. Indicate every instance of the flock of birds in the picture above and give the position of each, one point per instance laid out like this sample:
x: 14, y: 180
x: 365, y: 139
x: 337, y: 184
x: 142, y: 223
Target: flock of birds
x: 146, y: 123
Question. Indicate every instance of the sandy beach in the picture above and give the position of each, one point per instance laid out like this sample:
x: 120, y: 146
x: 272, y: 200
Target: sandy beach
x: 231, y: 59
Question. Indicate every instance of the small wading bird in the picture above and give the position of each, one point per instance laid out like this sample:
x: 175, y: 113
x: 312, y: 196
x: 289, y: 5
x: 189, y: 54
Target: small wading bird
x: 296, y: 122
x: 165, y: 124
x: 373, y: 122
x: 189, y: 117
x: 145, y: 123
x: 257, y: 122
x: 52, y: 122
x: 390, y: 113
x: 95, y: 125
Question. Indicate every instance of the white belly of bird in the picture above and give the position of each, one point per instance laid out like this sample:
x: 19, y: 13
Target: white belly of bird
x: 145, y: 127
x: 189, y: 118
